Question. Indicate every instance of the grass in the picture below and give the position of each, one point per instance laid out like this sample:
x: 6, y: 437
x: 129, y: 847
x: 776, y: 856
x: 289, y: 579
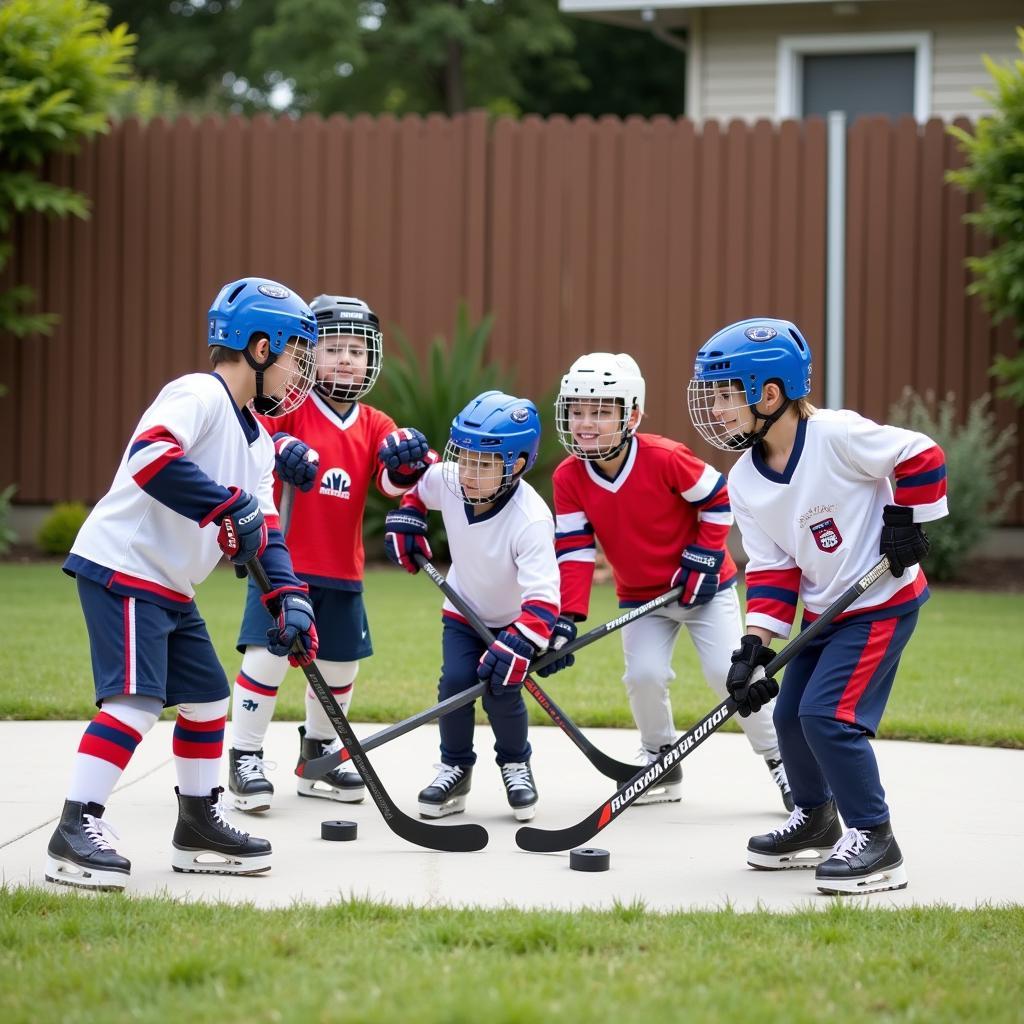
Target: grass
x: 959, y: 681
x: 70, y: 958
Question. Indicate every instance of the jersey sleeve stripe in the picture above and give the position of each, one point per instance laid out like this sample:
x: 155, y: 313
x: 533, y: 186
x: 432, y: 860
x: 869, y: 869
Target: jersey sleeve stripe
x: 587, y: 554
x: 572, y: 522
x: 710, y: 480
x: 755, y: 593
x: 781, y: 627
x: 716, y: 492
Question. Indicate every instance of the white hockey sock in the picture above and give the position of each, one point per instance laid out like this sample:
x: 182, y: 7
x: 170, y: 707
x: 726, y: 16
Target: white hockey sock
x: 107, y: 745
x: 255, y: 697
x: 340, y: 676
x: 198, y: 745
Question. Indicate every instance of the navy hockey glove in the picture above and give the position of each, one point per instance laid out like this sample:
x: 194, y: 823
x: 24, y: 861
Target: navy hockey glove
x: 506, y: 661
x: 563, y: 633
x: 243, y: 531
x: 698, y: 574
x: 406, y: 535
x: 746, y: 682
x: 903, y: 541
x: 295, y: 463
x: 293, y: 612
x: 406, y: 455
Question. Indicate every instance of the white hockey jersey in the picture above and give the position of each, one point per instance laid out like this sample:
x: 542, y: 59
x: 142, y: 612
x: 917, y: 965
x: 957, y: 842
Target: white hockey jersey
x: 813, y: 530
x: 503, y: 562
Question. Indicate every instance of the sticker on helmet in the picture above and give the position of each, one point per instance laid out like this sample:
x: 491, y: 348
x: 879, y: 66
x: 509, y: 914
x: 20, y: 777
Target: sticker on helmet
x: 520, y: 415
x: 760, y: 333
x: 273, y: 291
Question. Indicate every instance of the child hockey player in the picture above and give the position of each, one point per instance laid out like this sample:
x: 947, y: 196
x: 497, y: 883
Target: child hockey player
x: 501, y: 537
x: 345, y: 447
x: 662, y: 517
x: 195, y: 482
x: 814, y: 504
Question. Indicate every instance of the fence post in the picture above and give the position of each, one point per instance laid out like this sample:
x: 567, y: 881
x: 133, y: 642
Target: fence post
x: 835, y: 263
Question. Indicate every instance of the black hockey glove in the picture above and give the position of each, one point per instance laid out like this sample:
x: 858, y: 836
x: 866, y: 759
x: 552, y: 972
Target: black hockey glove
x: 563, y: 633
x: 903, y: 541
x: 746, y: 682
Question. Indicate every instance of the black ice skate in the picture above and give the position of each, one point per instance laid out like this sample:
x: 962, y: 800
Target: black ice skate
x: 778, y: 774
x: 79, y: 855
x: 206, y: 843
x: 863, y: 861
x: 803, y: 842
x: 250, y: 788
x: 668, y: 788
x: 447, y: 793
x: 341, y: 783
x: 520, y: 789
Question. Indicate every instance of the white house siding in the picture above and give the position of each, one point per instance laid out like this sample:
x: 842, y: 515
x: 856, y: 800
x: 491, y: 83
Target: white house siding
x: 739, y: 48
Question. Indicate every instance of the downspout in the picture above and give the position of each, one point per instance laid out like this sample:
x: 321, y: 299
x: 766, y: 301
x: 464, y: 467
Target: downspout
x: 690, y: 46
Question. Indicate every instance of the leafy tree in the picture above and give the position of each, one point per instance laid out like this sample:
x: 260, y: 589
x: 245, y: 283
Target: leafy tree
x: 61, y: 69
x: 995, y: 168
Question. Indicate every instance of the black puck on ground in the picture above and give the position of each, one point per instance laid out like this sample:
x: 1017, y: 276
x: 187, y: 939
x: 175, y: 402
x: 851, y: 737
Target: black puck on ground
x: 586, y: 858
x: 338, y: 831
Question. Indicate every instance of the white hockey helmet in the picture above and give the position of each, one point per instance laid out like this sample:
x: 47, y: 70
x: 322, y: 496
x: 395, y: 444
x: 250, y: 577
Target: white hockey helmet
x: 605, y: 381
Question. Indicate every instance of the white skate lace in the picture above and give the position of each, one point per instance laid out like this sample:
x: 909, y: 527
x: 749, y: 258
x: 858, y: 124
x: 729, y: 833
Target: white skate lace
x: 94, y: 828
x: 447, y: 775
x: 779, y: 775
x: 852, y: 842
x: 516, y: 775
x: 218, y: 814
x: 252, y: 766
x: 796, y: 819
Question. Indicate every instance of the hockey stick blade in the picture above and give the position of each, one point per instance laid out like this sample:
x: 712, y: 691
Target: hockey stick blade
x: 448, y: 838
x: 538, y: 840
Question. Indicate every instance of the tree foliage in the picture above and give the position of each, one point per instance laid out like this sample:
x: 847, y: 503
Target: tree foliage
x: 995, y: 169
x: 61, y: 69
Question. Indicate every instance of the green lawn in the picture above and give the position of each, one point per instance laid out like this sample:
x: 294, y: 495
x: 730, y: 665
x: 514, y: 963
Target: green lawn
x: 69, y: 958
x: 959, y: 681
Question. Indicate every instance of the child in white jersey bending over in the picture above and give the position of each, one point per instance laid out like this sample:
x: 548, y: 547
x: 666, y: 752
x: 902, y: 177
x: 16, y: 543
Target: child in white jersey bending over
x: 501, y: 536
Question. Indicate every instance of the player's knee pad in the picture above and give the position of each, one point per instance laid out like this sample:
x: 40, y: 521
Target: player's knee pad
x: 338, y: 674
x: 208, y: 711
x: 138, y: 712
x: 648, y: 678
x: 825, y: 734
x: 263, y: 667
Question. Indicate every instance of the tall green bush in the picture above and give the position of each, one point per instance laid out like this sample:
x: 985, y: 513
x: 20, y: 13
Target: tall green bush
x: 978, y: 458
x: 995, y: 169
x: 427, y: 392
x: 7, y: 535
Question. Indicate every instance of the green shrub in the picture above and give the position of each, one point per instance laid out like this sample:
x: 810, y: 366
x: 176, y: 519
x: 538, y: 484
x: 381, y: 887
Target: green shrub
x: 977, y: 461
x: 61, y: 527
x: 7, y: 535
x: 427, y: 392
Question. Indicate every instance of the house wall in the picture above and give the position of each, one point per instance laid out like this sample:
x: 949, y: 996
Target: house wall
x: 738, y: 49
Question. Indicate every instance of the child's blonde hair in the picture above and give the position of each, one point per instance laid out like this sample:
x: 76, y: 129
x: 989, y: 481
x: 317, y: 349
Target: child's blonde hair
x: 804, y: 409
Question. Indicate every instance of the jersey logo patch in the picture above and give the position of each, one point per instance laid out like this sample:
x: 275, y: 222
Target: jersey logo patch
x: 826, y: 535
x: 336, y: 483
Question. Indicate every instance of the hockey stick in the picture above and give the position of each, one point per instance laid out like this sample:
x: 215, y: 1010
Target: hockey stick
x: 284, y: 517
x: 318, y: 767
x: 452, y: 838
x: 539, y: 840
x: 616, y: 770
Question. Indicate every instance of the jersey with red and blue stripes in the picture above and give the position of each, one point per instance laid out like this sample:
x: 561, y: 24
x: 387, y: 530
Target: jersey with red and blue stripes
x: 663, y: 500
x: 812, y: 529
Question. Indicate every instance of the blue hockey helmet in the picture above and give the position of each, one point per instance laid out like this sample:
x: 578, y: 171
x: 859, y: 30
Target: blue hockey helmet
x: 254, y: 305
x: 493, y: 424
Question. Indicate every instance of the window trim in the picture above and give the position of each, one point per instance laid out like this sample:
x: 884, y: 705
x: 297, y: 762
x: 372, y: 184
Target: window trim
x: 792, y: 50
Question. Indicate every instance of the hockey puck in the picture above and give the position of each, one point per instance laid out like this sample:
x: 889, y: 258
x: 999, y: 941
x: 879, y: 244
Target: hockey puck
x: 588, y: 859
x: 338, y: 831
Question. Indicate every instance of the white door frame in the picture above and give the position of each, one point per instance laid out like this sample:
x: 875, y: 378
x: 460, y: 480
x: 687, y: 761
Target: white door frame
x: 792, y: 49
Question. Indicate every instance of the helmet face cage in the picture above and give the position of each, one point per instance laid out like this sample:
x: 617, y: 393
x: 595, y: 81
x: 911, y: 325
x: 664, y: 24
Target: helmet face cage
x: 712, y: 401
x: 348, y: 359
x: 295, y: 371
x: 487, y: 474
x: 592, y: 428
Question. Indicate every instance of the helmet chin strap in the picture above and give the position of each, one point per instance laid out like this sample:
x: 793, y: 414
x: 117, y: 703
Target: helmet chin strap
x: 262, y: 403
x: 743, y: 441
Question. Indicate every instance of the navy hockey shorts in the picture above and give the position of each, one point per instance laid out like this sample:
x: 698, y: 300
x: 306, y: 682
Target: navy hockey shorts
x: 341, y: 623
x: 140, y: 648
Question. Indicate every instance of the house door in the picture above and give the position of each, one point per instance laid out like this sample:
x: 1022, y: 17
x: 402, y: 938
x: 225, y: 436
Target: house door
x: 858, y: 83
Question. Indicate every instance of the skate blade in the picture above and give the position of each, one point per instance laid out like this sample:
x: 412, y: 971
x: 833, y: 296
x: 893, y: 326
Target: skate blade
x: 62, y: 872
x: 209, y: 862
x: 809, y: 858
x: 252, y: 804
x: 325, y: 791
x: 456, y: 805
x: 524, y: 813
x: 670, y: 794
x: 879, y: 881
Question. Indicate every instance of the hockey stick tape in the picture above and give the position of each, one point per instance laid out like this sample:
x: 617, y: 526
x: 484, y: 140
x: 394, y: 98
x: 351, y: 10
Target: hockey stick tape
x: 586, y: 858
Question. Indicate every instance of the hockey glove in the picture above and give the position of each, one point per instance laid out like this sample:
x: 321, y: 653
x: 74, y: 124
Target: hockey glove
x: 295, y: 463
x: 563, y: 633
x: 293, y: 612
x: 506, y: 662
x: 903, y: 541
x: 746, y: 682
x: 698, y: 575
x: 406, y: 455
x: 406, y: 535
x: 243, y: 531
